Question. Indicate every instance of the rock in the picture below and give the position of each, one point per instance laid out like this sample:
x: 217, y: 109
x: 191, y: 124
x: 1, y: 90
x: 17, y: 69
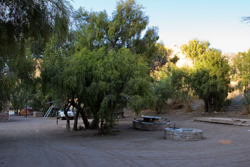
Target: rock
x: 80, y: 127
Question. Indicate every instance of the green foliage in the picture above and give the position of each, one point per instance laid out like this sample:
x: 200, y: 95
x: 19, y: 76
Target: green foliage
x: 163, y: 91
x: 172, y: 84
x: 123, y: 29
x: 210, y: 79
x: 174, y: 59
x: 7, y: 82
x: 246, y: 103
x: 106, y: 67
x: 242, y: 63
x: 52, y: 68
x: 160, y: 58
x: 25, y: 86
x: 119, y: 78
x: 103, y: 82
x: 195, y: 49
x: 33, y: 20
x: 25, y: 28
x: 17, y: 99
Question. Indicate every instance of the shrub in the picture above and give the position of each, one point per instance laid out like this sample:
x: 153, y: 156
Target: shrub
x: 246, y: 103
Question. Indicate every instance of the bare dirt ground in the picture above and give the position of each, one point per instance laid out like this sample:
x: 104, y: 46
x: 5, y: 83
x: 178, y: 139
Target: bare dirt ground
x: 36, y: 142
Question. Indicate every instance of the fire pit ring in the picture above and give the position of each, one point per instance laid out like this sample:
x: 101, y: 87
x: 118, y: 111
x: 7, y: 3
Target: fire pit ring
x: 183, y: 134
x: 151, y: 123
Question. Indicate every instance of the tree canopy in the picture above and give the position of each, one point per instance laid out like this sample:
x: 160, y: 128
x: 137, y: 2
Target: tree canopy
x: 210, y: 79
x: 102, y: 70
x: 242, y: 64
x: 26, y: 24
x: 195, y: 49
x: 123, y: 29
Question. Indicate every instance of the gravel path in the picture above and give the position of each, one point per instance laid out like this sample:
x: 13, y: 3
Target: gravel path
x: 36, y: 142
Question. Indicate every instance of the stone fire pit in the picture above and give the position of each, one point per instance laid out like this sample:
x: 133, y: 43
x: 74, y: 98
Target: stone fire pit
x: 151, y: 123
x: 183, y: 134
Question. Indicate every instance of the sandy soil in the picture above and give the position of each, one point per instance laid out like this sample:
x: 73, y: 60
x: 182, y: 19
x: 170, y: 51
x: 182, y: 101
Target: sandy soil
x: 36, y: 142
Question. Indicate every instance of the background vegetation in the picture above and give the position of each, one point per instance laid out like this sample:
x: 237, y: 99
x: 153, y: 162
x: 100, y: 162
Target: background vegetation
x: 100, y: 64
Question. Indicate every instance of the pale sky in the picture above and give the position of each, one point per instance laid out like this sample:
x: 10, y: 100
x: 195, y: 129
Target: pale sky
x: 217, y: 21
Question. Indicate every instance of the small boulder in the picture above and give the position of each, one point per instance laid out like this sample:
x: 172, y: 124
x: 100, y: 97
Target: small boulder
x: 80, y: 127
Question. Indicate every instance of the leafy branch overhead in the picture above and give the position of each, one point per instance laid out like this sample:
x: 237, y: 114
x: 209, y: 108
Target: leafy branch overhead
x: 123, y: 29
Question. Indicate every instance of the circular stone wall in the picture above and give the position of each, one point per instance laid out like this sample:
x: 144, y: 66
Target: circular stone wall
x: 183, y: 134
x: 139, y: 124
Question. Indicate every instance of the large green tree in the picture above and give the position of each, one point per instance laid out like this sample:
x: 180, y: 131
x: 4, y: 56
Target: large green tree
x: 20, y: 22
x: 109, y: 68
x: 210, y: 80
x: 242, y: 64
x: 118, y: 80
x: 26, y: 83
x: 99, y: 82
x: 170, y: 84
x: 59, y: 48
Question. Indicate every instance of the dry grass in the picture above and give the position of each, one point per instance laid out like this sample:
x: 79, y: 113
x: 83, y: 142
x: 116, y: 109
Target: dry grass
x: 245, y: 112
x: 188, y: 108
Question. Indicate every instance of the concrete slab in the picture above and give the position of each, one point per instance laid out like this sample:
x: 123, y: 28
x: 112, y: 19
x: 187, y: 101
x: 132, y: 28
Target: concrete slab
x: 229, y: 121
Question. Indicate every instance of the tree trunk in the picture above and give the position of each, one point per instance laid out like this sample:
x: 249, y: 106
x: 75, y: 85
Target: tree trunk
x: 157, y: 111
x: 76, y: 120
x: 210, y: 107
x: 95, y: 123
x: 26, y: 101
x: 85, y: 119
x: 245, y: 91
x: 68, y: 124
x: 206, y: 105
x: 102, y: 128
x: 67, y: 118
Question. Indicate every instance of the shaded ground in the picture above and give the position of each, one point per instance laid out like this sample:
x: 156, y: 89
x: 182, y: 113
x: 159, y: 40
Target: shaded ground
x: 236, y: 104
x: 36, y: 142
